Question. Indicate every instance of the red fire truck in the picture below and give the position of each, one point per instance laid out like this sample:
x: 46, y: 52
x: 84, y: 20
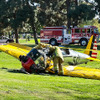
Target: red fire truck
x: 56, y: 35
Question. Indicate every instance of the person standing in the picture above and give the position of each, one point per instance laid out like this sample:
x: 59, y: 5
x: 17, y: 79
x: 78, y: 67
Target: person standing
x: 55, y: 55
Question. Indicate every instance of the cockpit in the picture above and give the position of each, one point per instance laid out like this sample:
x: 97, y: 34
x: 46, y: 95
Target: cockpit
x: 34, y: 54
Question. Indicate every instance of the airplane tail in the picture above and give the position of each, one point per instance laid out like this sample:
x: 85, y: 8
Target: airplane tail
x: 91, y: 48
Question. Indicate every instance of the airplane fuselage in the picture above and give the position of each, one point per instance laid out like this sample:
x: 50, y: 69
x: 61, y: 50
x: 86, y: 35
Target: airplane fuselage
x: 74, y: 58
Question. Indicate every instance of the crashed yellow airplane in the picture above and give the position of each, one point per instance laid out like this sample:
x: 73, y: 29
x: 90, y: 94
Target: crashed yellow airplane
x: 31, y: 55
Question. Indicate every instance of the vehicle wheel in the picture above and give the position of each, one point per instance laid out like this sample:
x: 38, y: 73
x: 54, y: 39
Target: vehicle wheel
x: 83, y: 42
x: 53, y: 42
x: 7, y: 41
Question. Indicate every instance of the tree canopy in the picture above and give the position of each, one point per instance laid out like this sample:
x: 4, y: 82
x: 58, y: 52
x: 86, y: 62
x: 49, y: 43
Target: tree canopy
x: 16, y: 14
x: 81, y: 13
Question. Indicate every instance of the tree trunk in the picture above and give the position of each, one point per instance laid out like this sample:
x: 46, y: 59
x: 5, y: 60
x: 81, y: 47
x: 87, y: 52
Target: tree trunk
x: 32, y: 21
x: 9, y: 34
x: 34, y: 30
x: 68, y: 19
x: 68, y: 3
x: 76, y: 2
x: 16, y: 35
x: 34, y: 33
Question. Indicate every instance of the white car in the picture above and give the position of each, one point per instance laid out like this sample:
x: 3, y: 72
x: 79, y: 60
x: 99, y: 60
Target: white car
x: 4, y: 39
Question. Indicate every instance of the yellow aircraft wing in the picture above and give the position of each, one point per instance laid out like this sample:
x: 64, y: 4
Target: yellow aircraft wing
x: 76, y: 71
x: 15, y: 49
x: 93, y: 59
x: 82, y: 72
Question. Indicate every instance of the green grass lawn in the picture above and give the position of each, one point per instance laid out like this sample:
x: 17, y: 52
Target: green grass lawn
x: 24, y: 41
x: 19, y: 86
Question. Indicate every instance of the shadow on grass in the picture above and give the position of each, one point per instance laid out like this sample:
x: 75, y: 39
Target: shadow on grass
x: 30, y: 45
x: 13, y: 70
x: 86, y: 98
x: 19, y: 71
x: 75, y: 46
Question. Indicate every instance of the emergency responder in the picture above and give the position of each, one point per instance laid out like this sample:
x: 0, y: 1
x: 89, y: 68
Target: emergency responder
x: 55, y: 54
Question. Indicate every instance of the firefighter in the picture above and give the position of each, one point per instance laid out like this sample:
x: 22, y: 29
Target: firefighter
x: 55, y: 54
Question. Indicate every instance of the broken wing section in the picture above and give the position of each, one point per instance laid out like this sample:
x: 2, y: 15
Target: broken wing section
x: 15, y: 49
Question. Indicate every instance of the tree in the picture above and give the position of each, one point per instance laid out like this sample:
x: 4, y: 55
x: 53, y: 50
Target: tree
x: 71, y: 4
x: 81, y: 13
x: 28, y: 14
x: 19, y: 12
x: 10, y: 8
x: 97, y: 5
x: 4, y: 20
x: 36, y: 13
x: 52, y: 12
